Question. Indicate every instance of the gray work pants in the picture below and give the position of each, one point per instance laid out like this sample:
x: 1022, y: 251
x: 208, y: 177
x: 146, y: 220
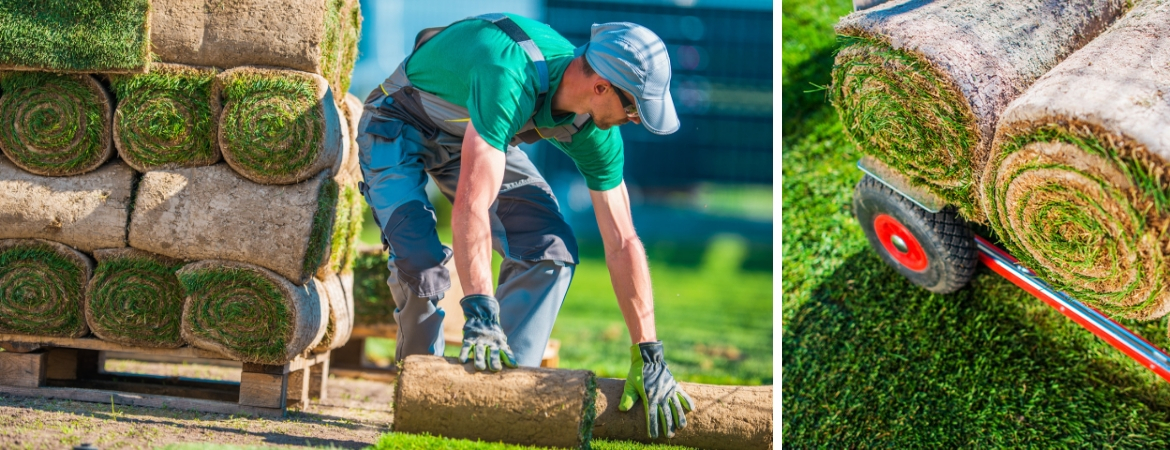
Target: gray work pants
x: 528, y: 230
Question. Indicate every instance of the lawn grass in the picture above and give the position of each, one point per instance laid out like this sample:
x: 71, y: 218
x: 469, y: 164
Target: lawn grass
x: 870, y: 360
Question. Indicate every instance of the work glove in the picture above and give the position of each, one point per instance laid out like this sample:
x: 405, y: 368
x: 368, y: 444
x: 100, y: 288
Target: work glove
x: 662, y: 397
x: 482, y: 333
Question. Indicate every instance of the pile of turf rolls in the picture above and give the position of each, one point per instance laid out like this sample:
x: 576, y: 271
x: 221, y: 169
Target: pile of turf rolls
x: 920, y: 85
x: 178, y: 174
x: 1078, y: 186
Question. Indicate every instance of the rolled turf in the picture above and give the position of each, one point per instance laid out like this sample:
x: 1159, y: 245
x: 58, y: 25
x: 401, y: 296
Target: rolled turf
x: 167, y: 118
x: 339, y: 321
x: 1077, y: 185
x: 42, y: 288
x: 75, y: 36
x: 250, y: 313
x: 211, y: 212
x: 53, y: 124
x: 529, y: 406
x: 920, y: 85
x: 317, y: 36
x: 87, y: 212
x: 278, y: 126
x: 135, y: 298
x: 347, y: 224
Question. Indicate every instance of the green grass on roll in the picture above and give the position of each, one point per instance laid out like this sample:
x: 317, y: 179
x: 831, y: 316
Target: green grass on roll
x: 41, y: 289
x: 75, y: 35
x: 239, y: 309
x: 135, y: 299
x: 273, y: 123
x: 165, y: 118
x: 323, y: 223
x: 54, y: 124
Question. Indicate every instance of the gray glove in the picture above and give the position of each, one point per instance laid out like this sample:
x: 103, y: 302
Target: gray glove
x: 649, y: 380
x: 483, y: 334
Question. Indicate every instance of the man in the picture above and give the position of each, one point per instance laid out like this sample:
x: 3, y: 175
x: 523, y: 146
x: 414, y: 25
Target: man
x: 455, y: 109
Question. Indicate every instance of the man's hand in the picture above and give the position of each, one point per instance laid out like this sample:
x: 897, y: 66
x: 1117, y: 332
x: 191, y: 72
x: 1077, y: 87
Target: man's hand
x: 482, y: 333
x: 662, y: 398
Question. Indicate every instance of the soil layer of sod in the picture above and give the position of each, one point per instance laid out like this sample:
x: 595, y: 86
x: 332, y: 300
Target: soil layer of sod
x: 249, y: 313
x: 75, y: 36
x: 135, y: 298
x: 53, y: 124
x: 42, y: 287
x: 166, y: 118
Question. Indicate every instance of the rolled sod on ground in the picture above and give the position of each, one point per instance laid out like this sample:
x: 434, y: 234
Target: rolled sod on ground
x: 75, y: 36
x: 211, y: 212
x: 167, y: 118
x: 531, y: 406
x: 339, y: 320
x: 54, y: 124
x: 1077, y: 185
x: 920, y: 85
x: 87, y: 211
x: 278, y: 126
x: 726, y: 417
x: 250, y: 313
x: 42, y: 288
x: 135, y: 298
x: 317, y: 36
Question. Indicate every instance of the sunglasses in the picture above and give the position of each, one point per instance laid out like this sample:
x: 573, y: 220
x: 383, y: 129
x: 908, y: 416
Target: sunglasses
x: 630, y: 107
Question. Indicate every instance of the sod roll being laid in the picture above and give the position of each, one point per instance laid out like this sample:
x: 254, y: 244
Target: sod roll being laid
x: 249, y: 313
x: 340, y: 317
x: 75, y: 35
x: 212, y: 213
x: 530, y: 406
x: 726, y: 417
x: 167, y: 118
x: 1077, y: 185
x: 135, y: 298
x: 55, y: 125
x: 278, y: 126
x: 920, y: 85
x: 87, y: 211
x: 42, y: 288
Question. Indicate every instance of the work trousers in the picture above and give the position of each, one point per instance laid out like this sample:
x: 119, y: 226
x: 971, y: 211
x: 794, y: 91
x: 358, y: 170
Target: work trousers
x: 528, y: 230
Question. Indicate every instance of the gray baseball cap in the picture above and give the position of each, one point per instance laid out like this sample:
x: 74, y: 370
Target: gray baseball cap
x: 634, y: 59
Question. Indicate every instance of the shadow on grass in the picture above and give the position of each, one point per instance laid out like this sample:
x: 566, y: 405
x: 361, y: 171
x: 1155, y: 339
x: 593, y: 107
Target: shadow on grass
x: 872, y: 360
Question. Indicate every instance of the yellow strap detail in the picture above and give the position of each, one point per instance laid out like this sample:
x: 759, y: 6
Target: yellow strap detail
x: 383, y: 88
x: 458, y: 120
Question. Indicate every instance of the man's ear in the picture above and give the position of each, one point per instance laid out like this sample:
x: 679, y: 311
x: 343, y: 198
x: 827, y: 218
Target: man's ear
x: 600, y: 86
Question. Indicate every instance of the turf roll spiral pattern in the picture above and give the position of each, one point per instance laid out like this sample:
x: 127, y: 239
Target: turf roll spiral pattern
x: 1087, y: 213
x: 55, y: 125
x: 897, y: 107
x: 42, y: 286
x: 135, y: 299
x: 249, y: 313
x: 277, y: 126
x: 166, y: 119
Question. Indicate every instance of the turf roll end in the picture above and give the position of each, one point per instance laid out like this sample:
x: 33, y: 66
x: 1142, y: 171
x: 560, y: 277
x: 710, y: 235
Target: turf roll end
x: 900, y: 109
x: 135, y: 298
x: 42, y: 288
x: 340, y: 317
x: 249, y: 313
x: 53, y: 124
x: 167, y: 118
x: 1086, y: 210
x: 278, y: 126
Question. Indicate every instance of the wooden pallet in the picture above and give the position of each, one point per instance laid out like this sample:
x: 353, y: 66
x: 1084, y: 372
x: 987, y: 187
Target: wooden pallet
x: 350, y: 360
x: 68, y: 368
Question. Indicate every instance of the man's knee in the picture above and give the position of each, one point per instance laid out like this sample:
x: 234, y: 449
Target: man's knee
x: 416, y: 255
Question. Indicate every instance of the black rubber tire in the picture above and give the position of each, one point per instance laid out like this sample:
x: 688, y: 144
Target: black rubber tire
x: 945, y: 238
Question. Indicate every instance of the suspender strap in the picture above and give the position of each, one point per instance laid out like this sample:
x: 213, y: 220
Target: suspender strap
x: 513, y: 31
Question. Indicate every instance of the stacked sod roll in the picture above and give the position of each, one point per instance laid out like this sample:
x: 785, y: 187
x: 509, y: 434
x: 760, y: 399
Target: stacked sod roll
x: 1077, y: 185
x: 920, y: 85
x: 176, y: 174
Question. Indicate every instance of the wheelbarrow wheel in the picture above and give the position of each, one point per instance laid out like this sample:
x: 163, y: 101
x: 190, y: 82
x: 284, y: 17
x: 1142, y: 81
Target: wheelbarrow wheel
x: 933, y: 250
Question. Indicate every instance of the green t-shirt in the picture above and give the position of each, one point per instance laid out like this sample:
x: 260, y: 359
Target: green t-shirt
x: 476, y: 65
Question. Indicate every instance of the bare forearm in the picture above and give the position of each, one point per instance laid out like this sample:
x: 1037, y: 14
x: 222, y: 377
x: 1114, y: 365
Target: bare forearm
x: 471, y: 230
x: 630, y: 275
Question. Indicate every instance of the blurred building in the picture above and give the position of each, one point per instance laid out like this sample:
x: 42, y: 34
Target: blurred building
x: 703, y: 180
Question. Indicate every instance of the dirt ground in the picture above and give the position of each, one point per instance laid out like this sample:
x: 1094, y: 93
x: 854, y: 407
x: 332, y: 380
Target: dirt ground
x: 356, y: 413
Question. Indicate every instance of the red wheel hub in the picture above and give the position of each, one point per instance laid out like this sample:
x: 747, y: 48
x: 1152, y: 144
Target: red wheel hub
x: 900, y: 243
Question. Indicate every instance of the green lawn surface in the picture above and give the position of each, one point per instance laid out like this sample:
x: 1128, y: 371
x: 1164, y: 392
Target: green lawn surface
x: 402, y: 441
x: 870, y: 360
